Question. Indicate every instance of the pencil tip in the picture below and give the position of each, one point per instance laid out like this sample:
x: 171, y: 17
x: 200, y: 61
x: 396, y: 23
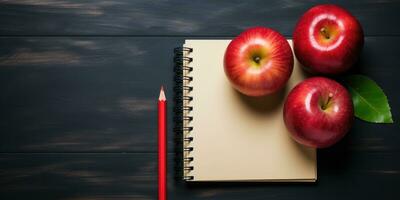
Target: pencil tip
x: 162, y: 95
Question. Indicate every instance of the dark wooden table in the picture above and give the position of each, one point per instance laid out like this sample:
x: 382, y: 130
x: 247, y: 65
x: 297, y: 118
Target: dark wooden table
x: 79, y: 81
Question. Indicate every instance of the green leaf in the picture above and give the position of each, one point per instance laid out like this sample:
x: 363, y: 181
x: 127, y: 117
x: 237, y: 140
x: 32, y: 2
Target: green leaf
x: 370, y: 102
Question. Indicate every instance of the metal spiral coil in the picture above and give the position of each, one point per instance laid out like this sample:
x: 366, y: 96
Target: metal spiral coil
x: 182, y: 109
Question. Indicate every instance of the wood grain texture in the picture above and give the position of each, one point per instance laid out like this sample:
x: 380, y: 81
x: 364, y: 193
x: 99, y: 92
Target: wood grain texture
x: 82, y: 94
x: 79, y: 82
x: 133, y: 176
x: 99, y: 94
x: 212, y: 18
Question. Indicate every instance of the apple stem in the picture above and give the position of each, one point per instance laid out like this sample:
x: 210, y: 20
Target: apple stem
x: 257, y: 59
x: 324, y: 32
x: 328, y: 101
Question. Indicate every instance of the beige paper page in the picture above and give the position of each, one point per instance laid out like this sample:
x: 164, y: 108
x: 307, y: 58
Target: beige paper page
x: 240, y: 138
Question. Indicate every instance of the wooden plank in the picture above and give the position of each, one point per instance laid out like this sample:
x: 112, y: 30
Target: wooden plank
x: 99, y: 94
x: 211, y: 18
x: 78, y: 176
x: 82, y: 94
x: 133, y: 176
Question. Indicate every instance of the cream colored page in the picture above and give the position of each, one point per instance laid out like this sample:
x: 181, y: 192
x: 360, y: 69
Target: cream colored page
x: 239, y: 138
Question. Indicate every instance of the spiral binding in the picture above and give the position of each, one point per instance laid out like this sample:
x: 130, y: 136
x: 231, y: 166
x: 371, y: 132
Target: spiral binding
x: 183, y: 108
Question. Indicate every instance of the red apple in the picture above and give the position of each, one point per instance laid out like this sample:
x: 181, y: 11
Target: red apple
x: 327, y: 39
x: 258, y: 62
x: 318, y: 112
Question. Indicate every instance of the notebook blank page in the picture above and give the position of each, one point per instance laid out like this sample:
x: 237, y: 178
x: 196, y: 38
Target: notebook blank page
x: 240, y: 138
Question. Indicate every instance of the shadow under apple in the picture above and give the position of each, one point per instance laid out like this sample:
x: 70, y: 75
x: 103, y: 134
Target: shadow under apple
x: 264, y: 104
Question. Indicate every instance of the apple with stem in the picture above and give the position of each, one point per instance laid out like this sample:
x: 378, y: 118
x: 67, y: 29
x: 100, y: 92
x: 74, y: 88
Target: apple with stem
x: 258, y: 62
x: 318, y: 112
x: 327, y: 39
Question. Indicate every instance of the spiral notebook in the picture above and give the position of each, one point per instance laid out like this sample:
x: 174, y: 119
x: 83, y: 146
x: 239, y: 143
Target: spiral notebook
x: 231, y: 137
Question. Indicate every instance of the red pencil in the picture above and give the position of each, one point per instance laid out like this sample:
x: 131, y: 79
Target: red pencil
x: 162, y: 146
